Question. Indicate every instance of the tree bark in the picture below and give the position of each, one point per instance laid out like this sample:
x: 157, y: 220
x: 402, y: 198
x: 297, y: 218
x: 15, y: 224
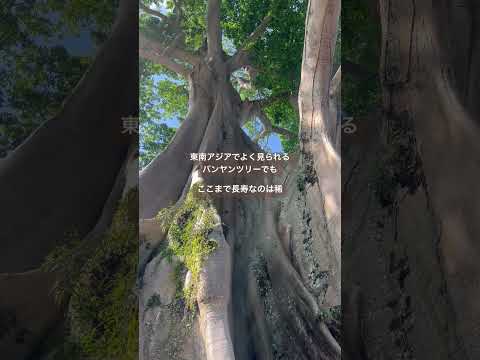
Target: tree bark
x: 417, y: 299
x: 320, y: 160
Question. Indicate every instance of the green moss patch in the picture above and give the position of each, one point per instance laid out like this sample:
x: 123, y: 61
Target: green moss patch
x: 189, y: 227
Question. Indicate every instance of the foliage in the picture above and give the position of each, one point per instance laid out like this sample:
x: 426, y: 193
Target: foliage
x: 254, y: 129
x: 76, y: 15
x: 43, y: 79
x: 102, y: 305
x: 155, y: 138
x: 173, y: 97
x: 161, y: 97
x: 66, y: 260
x: 276, y: 57
x: 104, y: 308
x: 38, y: 72
x: 278, y: 53
x: 283, y: 115
x: 189, y: 227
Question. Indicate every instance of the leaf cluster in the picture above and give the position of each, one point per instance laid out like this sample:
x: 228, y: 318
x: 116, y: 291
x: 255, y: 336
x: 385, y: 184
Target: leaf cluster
x: 37, y: 71
x: 162, y: 97
x: 99, y: 287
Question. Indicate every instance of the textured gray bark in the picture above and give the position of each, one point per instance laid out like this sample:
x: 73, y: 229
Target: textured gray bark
x: 418, y: 219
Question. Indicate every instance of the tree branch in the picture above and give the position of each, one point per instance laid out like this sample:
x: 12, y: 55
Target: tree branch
x: 214, y: 32
x: 246, y: 111
x: 163, y: 60
x: 284, y: 132
x: 172, y: 51
x: 251, y: 109
x: 269, y: 128
x: 293, y: 100
x: 255, y: 35
x: 177, y: 10
x: 240, y: 58
x: 153, y: 12
x: 261, y: 103
x: 183, y: 54
x: 152, y: 51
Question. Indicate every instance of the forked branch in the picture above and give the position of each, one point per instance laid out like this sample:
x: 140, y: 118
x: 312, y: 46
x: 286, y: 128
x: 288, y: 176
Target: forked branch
x: 152, y: 51
x: 269, y: 128
x: 254, y: 109
x: 240, y: 58
x: 160, y: 59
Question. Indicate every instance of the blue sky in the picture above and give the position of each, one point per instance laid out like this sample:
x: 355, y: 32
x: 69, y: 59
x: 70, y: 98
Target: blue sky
x: 274, y: 144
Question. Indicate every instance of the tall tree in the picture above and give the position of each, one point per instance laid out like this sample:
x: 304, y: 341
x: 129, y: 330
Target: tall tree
x: 67, y: 176
x: 249, y: 277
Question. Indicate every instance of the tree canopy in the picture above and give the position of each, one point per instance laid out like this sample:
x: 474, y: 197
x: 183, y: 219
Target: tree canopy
x: 264, y: 40
x: 38, y: 69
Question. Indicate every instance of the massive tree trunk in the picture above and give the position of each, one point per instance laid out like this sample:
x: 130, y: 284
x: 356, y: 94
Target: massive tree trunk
x: 419, y: 299
x: 266, y: 291
x: 319, y: 133
x: 66, y: 177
